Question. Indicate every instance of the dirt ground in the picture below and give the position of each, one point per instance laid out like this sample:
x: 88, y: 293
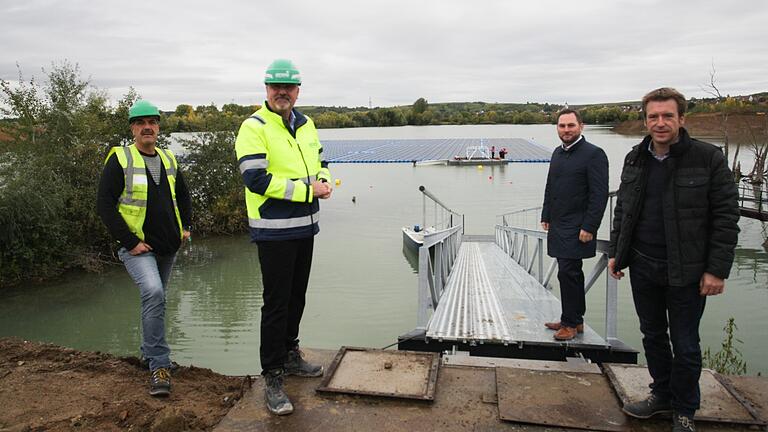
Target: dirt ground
x: 45, y: 387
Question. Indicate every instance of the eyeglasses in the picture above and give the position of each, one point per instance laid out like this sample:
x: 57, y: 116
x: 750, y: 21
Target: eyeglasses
x: 286, y: 87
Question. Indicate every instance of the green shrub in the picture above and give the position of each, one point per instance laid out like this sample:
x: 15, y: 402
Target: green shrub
x: 59, y: 133
x: 210, y: 168
x: 728, y: 360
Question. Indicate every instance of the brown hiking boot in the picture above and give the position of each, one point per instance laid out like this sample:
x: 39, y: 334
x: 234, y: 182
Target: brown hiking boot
x: 556, y: 326
x: 565, y: 333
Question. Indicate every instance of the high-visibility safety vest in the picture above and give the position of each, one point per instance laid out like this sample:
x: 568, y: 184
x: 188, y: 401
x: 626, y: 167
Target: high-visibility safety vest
x: 278, y: 168
x: 132, y: 204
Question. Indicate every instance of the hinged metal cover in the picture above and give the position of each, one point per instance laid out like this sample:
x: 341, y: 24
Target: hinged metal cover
x: 376, y: 372
x: 563, y: 399
x: 720, y: 402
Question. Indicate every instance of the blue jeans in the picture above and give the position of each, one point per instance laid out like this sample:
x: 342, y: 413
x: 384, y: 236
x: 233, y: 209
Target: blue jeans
x: 669, y: 314
x: 151, y: 273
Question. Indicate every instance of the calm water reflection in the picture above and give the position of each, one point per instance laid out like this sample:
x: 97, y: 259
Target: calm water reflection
x: 363, y: 288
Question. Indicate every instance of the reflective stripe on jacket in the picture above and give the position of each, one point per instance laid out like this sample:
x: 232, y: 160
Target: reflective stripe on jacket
x: 133, y: 201
x: 278, y: 168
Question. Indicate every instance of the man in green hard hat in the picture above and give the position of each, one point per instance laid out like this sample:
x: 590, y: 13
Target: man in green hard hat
x: 144, y: 202
x: 280, y: 159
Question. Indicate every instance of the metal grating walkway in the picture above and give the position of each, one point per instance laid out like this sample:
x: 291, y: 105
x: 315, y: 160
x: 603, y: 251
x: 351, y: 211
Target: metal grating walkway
x: 490, y: 298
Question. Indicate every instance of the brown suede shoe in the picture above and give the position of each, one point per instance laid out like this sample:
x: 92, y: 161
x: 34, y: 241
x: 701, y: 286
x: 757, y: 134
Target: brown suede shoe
x: 556, y: 326
x: 565, y: 333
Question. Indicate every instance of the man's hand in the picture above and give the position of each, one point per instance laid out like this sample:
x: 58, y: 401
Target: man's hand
x: 321, y: 189
x: 186, y: 235
x: 614, y: 274
x: 711, y: 285
x: 585, y: 236
x: 545, y: 226
x: 140, y: 249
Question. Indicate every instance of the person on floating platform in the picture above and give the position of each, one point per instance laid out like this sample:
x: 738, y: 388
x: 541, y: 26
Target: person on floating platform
x: 280, y: 159
x: 675, y: 227
x: 574, y: 203
x: 144, y: 202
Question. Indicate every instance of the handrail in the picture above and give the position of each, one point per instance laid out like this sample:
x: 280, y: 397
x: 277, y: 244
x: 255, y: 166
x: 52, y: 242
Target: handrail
x: 436, y: 257
x: 509, y: 218
x: 754, y: 194
x: 444, y: 217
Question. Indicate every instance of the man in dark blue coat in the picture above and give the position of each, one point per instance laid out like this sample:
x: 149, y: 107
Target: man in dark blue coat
x: 574, y: 202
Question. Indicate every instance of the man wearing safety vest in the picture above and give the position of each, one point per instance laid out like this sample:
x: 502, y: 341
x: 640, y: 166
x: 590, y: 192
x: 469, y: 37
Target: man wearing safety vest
x: 146, y: 207
x: 280, y: 159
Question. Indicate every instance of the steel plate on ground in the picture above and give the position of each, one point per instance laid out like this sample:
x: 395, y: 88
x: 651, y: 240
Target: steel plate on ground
x: 564, y: 399
x: 398, y: 374
x: 720, y: 402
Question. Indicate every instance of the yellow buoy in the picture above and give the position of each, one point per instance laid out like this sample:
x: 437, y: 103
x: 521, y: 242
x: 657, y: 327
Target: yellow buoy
x: 479, y: 167
x: 338, y: 182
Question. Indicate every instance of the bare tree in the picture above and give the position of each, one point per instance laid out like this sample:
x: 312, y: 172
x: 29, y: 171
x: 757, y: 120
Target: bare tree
x: 723, y: 113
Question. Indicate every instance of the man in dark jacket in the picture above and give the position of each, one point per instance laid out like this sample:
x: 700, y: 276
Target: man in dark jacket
x: 574, y: 202
x: 675, y: 227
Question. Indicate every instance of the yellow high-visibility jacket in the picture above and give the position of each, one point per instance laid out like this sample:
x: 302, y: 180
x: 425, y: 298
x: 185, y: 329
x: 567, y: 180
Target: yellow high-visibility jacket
x: 278, y: 165
x: 132, y: 205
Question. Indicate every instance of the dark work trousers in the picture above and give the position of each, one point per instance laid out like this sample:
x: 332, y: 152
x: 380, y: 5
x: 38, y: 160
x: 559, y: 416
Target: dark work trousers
x: 571, y: 291
x: 285, y: 269
x: 660, y: 307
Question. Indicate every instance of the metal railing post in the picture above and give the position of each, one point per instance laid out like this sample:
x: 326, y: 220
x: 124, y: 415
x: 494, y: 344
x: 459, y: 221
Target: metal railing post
x: 541, y: 261
x: 424, y: 296
x: 611, y: 309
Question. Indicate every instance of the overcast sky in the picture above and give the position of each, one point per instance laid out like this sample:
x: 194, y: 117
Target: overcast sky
x: 394, y: 51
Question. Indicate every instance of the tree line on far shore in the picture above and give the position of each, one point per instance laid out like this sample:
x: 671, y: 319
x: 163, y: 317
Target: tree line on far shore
x: 186, y: 118
x: 54, y: 136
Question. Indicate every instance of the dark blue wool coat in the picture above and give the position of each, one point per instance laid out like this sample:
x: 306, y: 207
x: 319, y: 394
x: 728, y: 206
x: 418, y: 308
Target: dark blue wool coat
x: 575, y: 198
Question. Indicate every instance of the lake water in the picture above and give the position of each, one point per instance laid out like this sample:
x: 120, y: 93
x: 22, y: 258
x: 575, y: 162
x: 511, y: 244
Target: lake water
x: 362, y: 289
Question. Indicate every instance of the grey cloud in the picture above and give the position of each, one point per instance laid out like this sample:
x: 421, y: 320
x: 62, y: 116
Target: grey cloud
x: 396, y: 51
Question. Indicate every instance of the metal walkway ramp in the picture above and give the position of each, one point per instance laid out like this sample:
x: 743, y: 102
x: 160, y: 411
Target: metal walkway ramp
x: 491, y: 298
x: 490, y: 295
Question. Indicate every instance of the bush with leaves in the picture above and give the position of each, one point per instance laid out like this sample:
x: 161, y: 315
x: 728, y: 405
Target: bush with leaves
x: 58, y: 134
x: 218, y: 202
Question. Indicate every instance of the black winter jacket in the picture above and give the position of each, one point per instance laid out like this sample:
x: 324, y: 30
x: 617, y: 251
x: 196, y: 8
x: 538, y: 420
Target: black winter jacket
x: 575, y: 198
x: 700, y: 208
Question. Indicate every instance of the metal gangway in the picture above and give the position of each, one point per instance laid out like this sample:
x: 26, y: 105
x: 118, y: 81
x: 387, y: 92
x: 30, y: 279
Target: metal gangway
x: 490, y: 295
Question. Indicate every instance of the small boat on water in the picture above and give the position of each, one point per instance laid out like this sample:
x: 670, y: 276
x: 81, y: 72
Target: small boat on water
x: 444, y: 217
x: 413, y: 237
x: 429, y: 162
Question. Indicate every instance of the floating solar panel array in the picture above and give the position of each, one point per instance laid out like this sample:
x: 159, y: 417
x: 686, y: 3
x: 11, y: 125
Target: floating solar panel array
x: 415, y: 150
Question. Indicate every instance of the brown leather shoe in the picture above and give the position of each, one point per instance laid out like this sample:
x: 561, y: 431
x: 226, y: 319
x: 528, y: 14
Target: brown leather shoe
x: 565, y: 333
x: 556, y: 326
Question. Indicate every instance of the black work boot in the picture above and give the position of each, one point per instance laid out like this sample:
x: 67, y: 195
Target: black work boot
x: 296, y: 365
x: 682, y: 423
x: 277, y: 401
x: 648, y: 407
x: 160, y: 382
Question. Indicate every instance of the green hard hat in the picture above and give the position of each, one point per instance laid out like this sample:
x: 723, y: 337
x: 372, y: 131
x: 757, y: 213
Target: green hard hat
x: 282, y: 71
x: 142, y: 108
